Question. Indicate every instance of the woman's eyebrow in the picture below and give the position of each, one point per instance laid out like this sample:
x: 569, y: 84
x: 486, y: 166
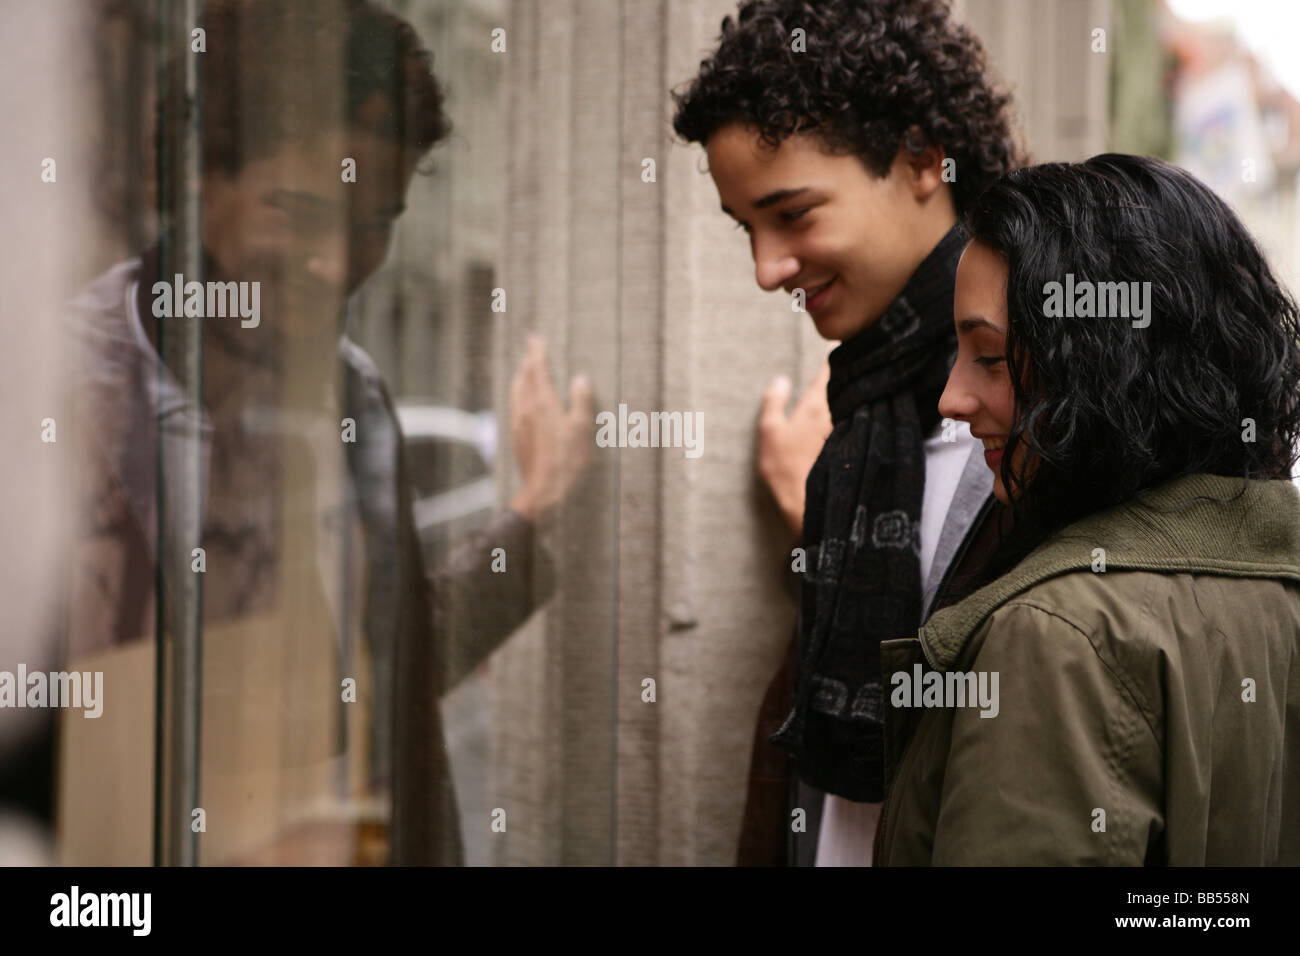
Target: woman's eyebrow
x: 973, y: 322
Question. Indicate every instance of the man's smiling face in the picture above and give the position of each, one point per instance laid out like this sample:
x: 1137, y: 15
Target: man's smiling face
x: 823, y: 223
x: 290, y: 222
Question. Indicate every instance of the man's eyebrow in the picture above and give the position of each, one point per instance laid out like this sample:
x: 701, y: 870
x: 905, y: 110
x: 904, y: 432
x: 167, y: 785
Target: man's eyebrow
x: 294, y: 197
x: 771, y: 199
x: 393, y: 210
x: 974, y: 322
x: 781, y: 195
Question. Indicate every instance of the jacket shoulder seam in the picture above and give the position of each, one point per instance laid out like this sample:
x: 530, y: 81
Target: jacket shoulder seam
x: 1115, y: 676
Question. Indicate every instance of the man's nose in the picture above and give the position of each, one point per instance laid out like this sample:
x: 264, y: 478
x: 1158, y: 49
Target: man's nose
x: 328, y: 264
x: 773, y: 264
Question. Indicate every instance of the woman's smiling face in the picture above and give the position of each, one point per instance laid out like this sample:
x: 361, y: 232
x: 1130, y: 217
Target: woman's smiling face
x: 979, y: 385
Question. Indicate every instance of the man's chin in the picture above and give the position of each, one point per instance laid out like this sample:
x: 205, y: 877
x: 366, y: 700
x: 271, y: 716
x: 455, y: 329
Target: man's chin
x: 299, y: 318
x: 298, y: 327
x: 838, y: 325
x: 832, y: 327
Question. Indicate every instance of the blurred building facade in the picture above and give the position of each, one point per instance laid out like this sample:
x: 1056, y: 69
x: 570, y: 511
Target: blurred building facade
x: 1194, y: 94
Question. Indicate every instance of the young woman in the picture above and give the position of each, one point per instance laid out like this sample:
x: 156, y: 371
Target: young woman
x: 1127, y: 690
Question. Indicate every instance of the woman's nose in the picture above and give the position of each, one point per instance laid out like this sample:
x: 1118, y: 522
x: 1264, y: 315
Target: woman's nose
x: 957, y: 402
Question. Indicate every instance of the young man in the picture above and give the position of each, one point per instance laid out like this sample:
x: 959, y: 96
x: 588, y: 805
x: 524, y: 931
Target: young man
x: 297, y: 511
x: 846, y: 138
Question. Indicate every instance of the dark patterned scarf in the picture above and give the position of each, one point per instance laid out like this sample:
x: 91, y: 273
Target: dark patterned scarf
x: 862, y: 529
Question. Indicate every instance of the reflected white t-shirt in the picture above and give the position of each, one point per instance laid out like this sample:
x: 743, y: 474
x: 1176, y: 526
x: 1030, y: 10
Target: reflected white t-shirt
x: 848, y: 828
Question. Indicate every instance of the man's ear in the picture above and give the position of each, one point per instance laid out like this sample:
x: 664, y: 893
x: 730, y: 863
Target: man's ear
x: 923, y: 162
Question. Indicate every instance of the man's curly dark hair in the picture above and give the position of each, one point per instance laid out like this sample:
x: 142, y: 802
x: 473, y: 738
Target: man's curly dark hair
x: 872, y: 70
x: 263, y: 83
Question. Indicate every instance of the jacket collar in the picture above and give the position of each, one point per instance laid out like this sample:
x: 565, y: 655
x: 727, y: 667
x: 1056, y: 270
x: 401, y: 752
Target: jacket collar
x: 973, y: 493
x: 1197, y: 523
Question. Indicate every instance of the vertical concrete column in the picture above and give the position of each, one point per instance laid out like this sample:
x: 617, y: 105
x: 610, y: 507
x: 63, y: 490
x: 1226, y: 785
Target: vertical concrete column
x: 554, y: 721
x: 669, y: 566
x: 726, y: 621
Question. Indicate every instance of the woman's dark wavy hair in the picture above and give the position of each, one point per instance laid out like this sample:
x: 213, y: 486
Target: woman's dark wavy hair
x: 871, y: 71
x: 1104, y: 409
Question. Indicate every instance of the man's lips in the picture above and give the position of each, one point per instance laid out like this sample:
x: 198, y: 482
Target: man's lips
x: 817, y: 295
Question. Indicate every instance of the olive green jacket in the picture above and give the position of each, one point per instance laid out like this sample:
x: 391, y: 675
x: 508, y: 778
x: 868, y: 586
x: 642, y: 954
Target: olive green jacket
x: 1147, y: 713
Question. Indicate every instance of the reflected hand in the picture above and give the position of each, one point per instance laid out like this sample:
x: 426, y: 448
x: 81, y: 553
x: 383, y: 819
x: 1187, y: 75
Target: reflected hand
x: 788, y: 446
x: 551, y: 445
